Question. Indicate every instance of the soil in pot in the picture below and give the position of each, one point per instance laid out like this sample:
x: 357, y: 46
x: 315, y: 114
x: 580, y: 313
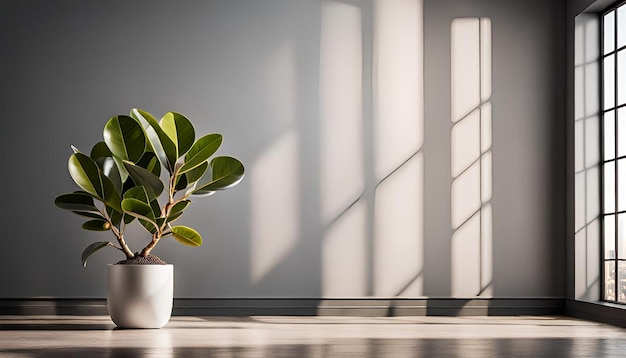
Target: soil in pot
x: 140, y: 260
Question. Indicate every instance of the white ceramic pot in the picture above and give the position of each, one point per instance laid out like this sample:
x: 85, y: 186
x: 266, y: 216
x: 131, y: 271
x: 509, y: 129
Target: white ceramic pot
x: 140, y: 296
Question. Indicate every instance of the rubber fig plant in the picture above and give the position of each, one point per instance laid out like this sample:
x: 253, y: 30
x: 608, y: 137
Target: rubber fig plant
x: 121, y: 179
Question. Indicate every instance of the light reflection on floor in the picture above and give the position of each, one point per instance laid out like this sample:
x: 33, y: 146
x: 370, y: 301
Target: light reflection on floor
x: 96, y: 336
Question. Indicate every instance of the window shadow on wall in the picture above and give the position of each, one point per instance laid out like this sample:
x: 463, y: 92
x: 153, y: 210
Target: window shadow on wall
x: 587, y: 158
x: 371, y: 136
x: 471, y: 158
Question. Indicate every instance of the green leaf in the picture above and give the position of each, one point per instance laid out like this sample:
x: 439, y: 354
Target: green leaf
x: 192, y: 176
x: 120, y: 167
x: 100, y: 151
x: 144, y: 177
x: 180, y: 130
x: 89, y: 214
x: 226, y: 173
x: 177, y: 210
x: 186, y: 235
x: 148, y: 226
x: 125, y: 137
x: 110, y: 170
x: 150, y: 162
x: 181, y: 182
x: 86, y: 174
x: 111, y: 196
x: 137, y: 192
x: 156, y: 209
x: 174, y: 217
x: 201, y: 150
x: 75, y: 202
x: 195, y: 174
x: 163, y: 146
x: 97, y: 225
x: 93, y: 248
x: 138, y: 209
x: 115, y: 216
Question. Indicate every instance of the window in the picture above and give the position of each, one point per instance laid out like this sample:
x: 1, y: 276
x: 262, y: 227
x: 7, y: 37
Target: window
x: 614, y: 152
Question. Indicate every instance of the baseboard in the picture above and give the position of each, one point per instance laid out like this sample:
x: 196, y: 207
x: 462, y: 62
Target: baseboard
x: 366, y: 307
x: 597, y: 311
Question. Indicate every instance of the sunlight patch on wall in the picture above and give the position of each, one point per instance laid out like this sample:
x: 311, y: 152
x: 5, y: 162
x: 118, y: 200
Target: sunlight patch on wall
x: 398, y: 237
x: 398, y: 77
x: 587, y: 157
x: 275, y: 204
x: 398, y: 137
x: 471, y: 163
x: 341, y: 107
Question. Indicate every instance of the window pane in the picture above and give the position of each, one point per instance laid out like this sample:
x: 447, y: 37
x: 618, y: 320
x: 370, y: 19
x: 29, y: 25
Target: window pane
x: 621, y: 231
x: 609, y: 237
x: 609, y: 188
x: 621, y: 76
x: 609, y: 280
x: 609, y: 135
x: 609, y: 82
x: 609, y: 32
x: 621, y: 30
x: 621, y: 192
x: 621, y: 289
x: 621, y: 132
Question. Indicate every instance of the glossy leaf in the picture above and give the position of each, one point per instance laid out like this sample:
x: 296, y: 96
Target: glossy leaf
x: 156, y: 209
x: 122, y: 170
x: 201, y: 151
x: 163, y: 146
x: 181, y: 182
x: 174, y: 217
x: 186, y: 235
x: 125, y: 137
x: 144, y: 177
x: 89, y: 214
x: 150, y: 162
x: 138, y: 192
x: 180, y: 130
x: 96, y: 225
x: 148, y: 226
x: 138, y: 209
x: 195, y: 174
x: 111, y: 171
x: 191, y: 177
x: 112, y: 197
x: 226, y: 172
x: 86, y: 174
x: 177, y: 210
x: 114, y: 216
x: 93, y: 248
x: 100, y: 151
x: 75, y: 202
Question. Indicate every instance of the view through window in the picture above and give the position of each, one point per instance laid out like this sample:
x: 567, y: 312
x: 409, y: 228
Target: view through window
x: 614, y: 152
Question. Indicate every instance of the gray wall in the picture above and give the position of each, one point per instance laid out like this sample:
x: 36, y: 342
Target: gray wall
x: 251, y: 70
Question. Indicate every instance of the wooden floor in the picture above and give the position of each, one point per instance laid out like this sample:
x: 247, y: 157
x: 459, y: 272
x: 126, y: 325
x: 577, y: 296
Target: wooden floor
x: 96, y: 336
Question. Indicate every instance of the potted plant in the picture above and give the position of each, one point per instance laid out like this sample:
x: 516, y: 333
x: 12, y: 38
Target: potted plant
x: 145, y: 171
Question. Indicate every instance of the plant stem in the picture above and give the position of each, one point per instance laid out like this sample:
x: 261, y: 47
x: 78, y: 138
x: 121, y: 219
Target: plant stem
x: 165, y: 213
x: 120, y: 238
x: 146, y: 250
x: 119, y: 235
